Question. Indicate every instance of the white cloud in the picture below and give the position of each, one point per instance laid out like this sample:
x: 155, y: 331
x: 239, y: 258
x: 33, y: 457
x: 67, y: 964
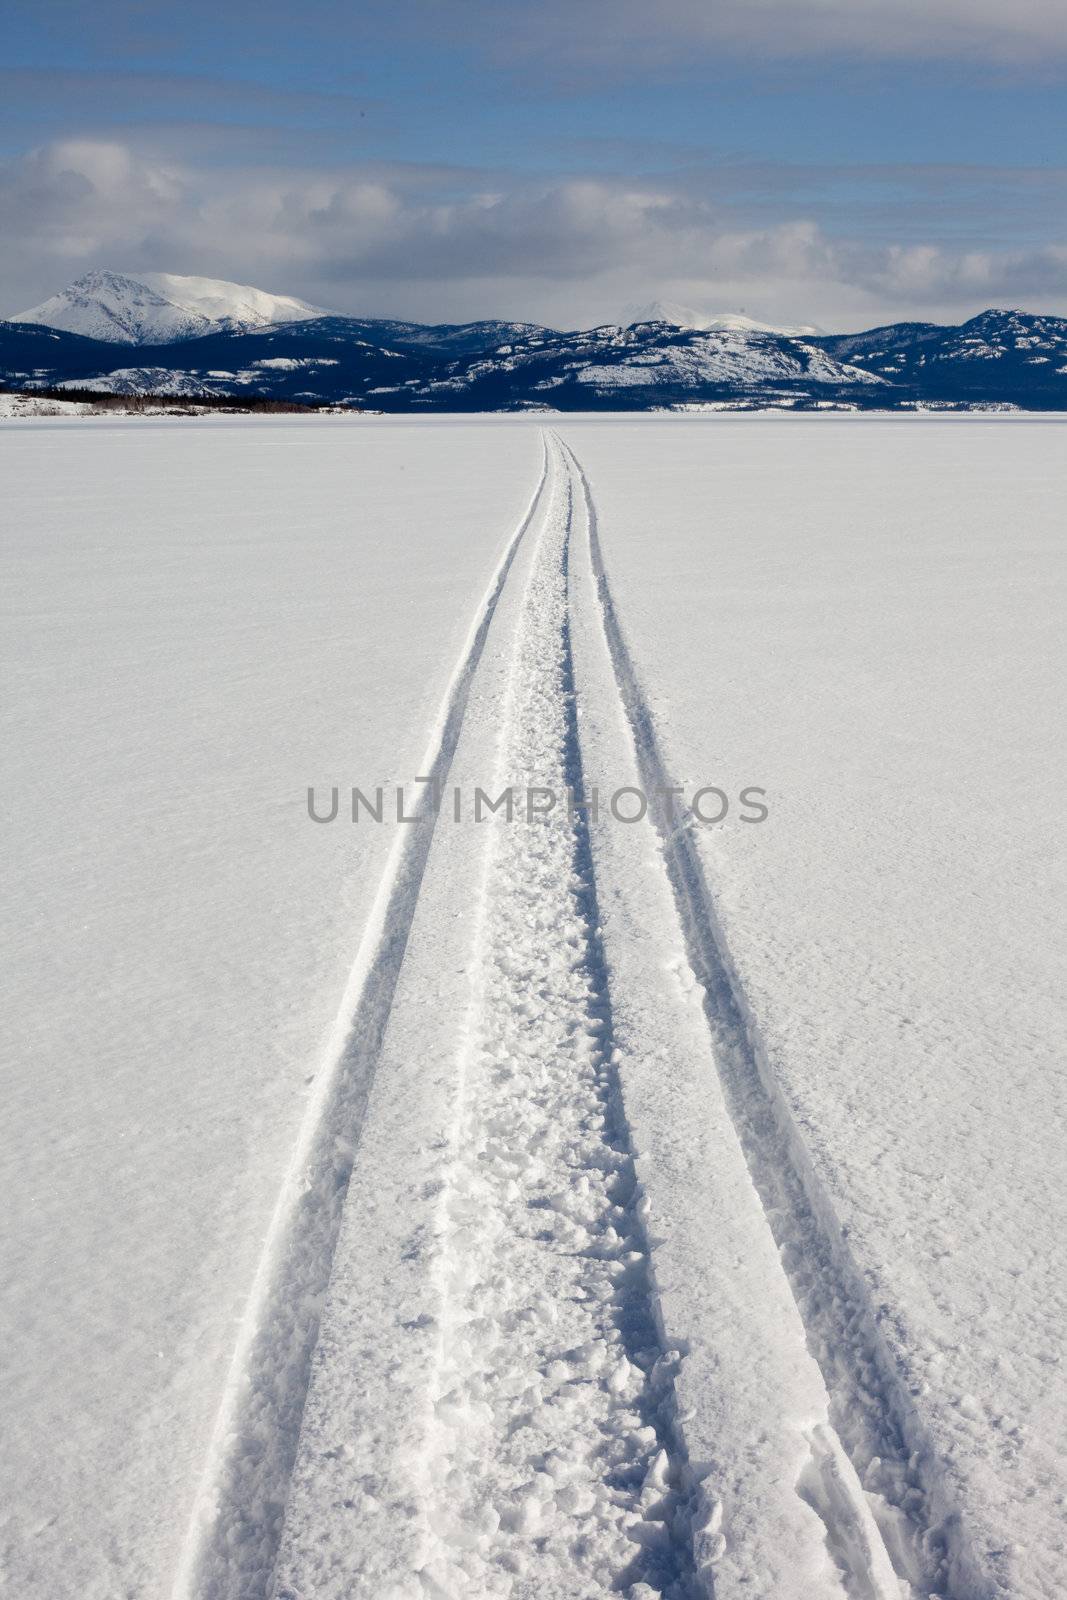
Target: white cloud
x: 644, y: 36
x: 631, y: 37
x: 441, y: 244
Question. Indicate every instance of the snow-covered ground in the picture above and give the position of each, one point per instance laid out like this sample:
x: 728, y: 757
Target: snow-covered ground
x: 589, y: 1205
x: 32, y: 405
x: 200, y: 621
x: 867, y: 620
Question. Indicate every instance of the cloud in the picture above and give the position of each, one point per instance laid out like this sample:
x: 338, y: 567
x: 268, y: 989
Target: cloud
x: 75, y: 198
x: 634, y: 37
x: 441, y: 243
x: 626, y: 38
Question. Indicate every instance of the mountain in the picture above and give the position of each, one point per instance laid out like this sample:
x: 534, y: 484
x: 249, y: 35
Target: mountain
x: 212, y: 344
x: 437, y: 339
x: 478, y: 367
x: 632, y: 368
x: 161, y: 308
x: 1007, y: 354
x: 679, y: 316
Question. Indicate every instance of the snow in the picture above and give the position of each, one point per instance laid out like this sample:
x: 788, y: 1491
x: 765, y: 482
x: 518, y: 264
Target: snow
x: 537, y: 1208
x: 145, y: 380
x: 870, y: 631
x: 547, y: 1377
x: 132, y: 382
x: 230, y: 305
x: 172, y: 381
x: 680, y: 316
x: 161, y: 307
x: 293, y: 363
x: 28, y: 405
x: 201, y: 621
x: 727, y: 357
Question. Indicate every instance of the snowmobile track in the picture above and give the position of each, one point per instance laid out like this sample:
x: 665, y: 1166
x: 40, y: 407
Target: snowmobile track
x: 553, y: 1466
x: 549, y: 1456
x: 876, y: 1442
x: 237, y: 1519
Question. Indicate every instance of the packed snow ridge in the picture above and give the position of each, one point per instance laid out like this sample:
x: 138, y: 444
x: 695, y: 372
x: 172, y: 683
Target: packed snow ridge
x: 162, y: 308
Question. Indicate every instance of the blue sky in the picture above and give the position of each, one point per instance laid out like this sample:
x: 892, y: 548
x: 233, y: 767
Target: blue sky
x: 842, y: 161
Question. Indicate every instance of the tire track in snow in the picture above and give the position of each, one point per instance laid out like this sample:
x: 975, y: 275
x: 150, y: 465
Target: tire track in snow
x: 873, y: 1476
x: 232, y: 1542
x: 552, y: 1468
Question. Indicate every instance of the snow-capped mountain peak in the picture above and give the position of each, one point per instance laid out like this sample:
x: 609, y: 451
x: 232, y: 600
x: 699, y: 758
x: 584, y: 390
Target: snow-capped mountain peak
x: 230, y: 305
x: 679, y: 316
x: 161, y: 308
x: 669, y: 311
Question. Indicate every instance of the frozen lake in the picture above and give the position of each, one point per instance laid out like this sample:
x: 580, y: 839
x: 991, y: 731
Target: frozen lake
x: 825, y: 1049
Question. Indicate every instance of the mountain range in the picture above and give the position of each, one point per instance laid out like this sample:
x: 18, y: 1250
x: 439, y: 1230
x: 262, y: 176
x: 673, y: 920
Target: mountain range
x: 202, y: 336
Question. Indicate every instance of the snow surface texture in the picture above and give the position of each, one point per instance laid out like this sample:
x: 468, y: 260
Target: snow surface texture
x: 496, y: 1197
x: 201, y: 620
x: 161, y: 307
x: 692, y: 1224
x: 438, y: 1451
x: 874, y: 631
x: 547, y: 1447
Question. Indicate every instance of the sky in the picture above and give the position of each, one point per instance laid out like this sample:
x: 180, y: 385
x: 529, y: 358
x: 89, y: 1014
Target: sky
x: 837, y: 162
